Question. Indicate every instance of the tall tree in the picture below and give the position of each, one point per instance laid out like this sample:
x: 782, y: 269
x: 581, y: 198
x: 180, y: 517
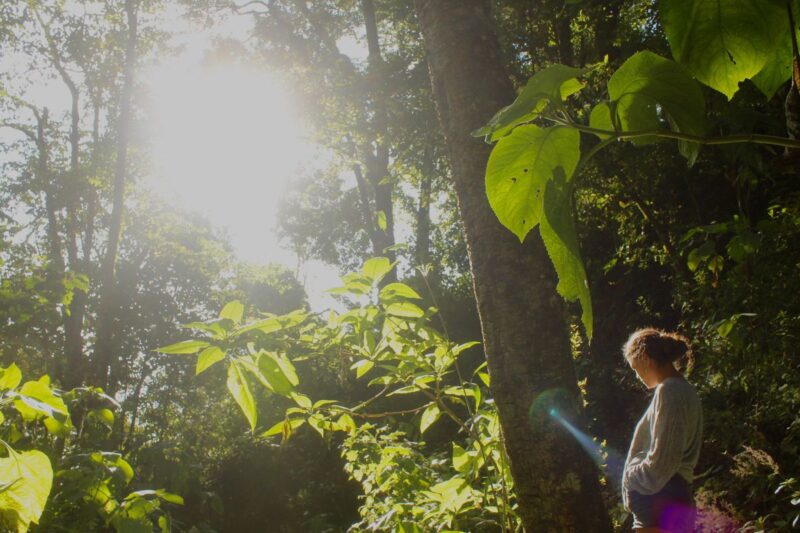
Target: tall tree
x: 104, y: 345
x: 523, y: 321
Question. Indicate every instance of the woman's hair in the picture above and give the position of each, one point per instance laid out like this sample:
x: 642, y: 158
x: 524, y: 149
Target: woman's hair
x: 660, y: 346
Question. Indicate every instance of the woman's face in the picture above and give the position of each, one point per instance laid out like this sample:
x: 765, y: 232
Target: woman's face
x: 644, y: 368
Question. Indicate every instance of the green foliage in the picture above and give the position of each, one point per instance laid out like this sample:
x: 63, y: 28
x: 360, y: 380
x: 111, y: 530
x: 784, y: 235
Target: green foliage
x: 724, y: 42
x: 46, y: 483
x: 25, y: 482
x: 392, y: 343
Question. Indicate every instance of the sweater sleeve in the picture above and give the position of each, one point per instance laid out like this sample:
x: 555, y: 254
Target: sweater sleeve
x: 649, y: 474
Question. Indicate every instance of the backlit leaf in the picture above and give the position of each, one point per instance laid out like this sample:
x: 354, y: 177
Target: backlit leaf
x: 376, y: 268
x: 10, y: 377
x: 723, y: 42
x: 429, y: 416
x: 233, y: 311
x: 551, y: 84
x: 208, y: 357
x: 27, y: 478
x: 561, y: 242
x: 520, y: 166
x: 184, y: 347
x: 239, y: 389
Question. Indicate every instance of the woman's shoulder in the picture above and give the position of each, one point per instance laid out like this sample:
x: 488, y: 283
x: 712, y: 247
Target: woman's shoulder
x: 677, y: 389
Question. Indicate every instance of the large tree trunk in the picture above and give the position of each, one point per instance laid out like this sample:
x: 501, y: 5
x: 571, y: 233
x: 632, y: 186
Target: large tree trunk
x: 522, y: 317
x: 106, y: 360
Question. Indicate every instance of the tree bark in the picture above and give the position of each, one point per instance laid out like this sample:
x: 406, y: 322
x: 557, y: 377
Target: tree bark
x: 423, y: 241
x: 376, y: 155
x: 106, y: 359
x: 522, y: 317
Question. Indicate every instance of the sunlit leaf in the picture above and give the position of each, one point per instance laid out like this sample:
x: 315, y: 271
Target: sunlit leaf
x: 561, y: 242
x: 376, y: 268
x: 551, y: 84
x: 723, y: 42
x: 237, y: 385
x: 520, y: 166
x: 233, y: 311
x: 429, y: 416
x: 184, y: 347
x: 208, y: 357
x: 27, y: 478
x: 10, y: 377
x: 405, y: 310
x: 362, y: 367
x: 398, y: 290
x: 302, y: 400
x: 647, y: 88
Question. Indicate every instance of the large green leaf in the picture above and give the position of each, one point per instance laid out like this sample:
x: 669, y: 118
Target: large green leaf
x: 561, y: 242
x: 233, y: 311
x: 520, y: 166
x: 429, y: 416
x: 37, y: 399
x: 208, y: 357
x: 551, y: 84
x: 240, y: 390
x: 723, y: 42
x: 648, y: 90
x: 10, y: 377
x: 27, y: 478
x: 184, y: 347
x: 376, y: 268
x: 278, y: 372
x: 778, y: 68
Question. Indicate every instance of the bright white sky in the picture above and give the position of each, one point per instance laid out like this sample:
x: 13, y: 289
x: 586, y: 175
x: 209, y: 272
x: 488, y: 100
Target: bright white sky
x: 225, y: 141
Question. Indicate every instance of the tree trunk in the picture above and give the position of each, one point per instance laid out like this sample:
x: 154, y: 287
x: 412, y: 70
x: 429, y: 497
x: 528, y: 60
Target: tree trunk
x: 522, y: 317
x: 423, y: 244
x: 106, y: 359
x: 376, y: 153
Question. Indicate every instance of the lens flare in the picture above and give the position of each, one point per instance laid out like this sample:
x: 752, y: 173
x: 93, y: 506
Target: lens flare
x: 554, y: 407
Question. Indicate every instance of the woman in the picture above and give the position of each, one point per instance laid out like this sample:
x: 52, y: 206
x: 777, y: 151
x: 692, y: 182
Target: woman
x: 656, y: 482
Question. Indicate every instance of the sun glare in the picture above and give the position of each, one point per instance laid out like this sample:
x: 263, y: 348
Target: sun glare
x: 225, y: 141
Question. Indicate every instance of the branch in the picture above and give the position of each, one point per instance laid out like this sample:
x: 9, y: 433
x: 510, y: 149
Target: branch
x: 753, y: 138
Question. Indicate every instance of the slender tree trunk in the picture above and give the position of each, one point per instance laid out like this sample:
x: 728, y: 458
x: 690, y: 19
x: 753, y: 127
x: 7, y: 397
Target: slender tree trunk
x: 106, y: 359
x: 522, y: 317
x: 376, y: 154
x: 423, y: 244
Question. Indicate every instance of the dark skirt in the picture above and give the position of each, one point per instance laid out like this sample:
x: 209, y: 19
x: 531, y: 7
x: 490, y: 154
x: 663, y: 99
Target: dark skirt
x: 671, y: 509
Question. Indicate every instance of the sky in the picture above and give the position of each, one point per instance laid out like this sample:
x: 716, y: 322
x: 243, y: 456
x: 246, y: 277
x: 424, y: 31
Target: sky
x: 225, y: 140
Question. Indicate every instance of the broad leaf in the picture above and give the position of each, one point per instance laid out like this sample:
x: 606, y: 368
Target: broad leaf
x: 552, y: 84
x: 405, y: 310
x: 648, y: 88
x: 27, y: 478
x: 429, y: 416
x: 362, y: 367
x: 723, y: 42
x: 778, y: 68
x: 376, y: 268
x: 398, y: 290
x: 237, y: 385
x: 520, y: 166
x: 208, y: 357
x: 233, y: 311
x: 278, y: 372
x: 184, y: 347
x: 561, y: 242
x: 10, y: 377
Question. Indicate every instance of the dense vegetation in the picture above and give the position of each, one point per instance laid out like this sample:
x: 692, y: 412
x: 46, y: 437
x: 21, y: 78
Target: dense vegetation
x: 646, y: 172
